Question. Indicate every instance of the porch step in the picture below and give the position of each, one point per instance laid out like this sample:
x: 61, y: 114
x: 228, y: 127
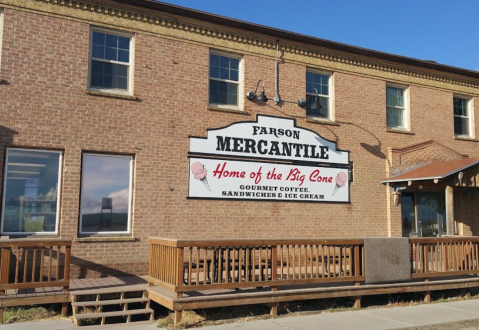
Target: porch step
x: 116, y: 305
x: 115, y: 326
x: 110, y: 314
x: 110, y: 302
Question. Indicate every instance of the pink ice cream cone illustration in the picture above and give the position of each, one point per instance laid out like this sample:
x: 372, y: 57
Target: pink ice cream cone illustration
x: 199, y: 171
x: 341, y: 179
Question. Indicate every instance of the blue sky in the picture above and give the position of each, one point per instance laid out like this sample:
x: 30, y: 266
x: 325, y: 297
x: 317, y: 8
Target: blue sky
x: 444, y: 31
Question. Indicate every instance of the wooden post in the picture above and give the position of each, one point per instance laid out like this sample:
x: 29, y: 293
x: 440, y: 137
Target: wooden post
x: 5, y: 267
x: 427, y: 296
x: 357, y: 302
x: 450, y: 210
x: 274, y: 263
x: 66, y: 275
x: 274, y: 306
x: 179, y: 266
x: 178, y: 313
x: 177, y: 317
x: 4, y: 274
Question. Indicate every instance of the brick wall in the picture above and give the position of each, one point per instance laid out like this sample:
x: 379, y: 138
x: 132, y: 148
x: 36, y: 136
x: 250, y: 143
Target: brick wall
x: 44, y: 105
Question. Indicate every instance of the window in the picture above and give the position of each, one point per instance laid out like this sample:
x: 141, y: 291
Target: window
x: 30, y: 193
x: 317, y: 91
x: 224, y: 80
x: 396, y: 115
x: 105, y: 194
x: 462, y: 121
x: 110, y: 62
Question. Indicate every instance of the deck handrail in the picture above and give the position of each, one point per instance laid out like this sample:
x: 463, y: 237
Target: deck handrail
x: 34, y: 263
x: 192, y: 265
x: 444, y: 256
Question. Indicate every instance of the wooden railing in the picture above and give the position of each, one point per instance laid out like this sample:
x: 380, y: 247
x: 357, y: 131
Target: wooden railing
x: 192, y: 265
x: 448, y: 256
x: 34, y: 263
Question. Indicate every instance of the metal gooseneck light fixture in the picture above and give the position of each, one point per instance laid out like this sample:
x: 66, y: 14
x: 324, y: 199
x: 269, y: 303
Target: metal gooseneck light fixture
x: 315, y: 106
x: 252, y: 96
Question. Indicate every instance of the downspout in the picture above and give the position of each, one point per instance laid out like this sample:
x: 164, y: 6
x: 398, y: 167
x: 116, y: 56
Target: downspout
x: 277, y: 99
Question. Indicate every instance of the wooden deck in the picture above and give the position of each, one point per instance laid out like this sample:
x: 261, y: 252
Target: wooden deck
x: 191, y: 274
x: 227, y: 297
x: 185, y: 275
x: 47, y: 295
x: 230, y: 297
x: 108, y: 283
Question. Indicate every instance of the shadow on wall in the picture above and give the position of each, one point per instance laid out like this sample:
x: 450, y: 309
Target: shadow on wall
x: 81, y: 268
x: 6, y: 137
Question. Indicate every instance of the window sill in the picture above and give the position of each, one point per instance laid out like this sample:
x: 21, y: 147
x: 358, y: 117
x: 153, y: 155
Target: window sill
x: 238, y: 111
x: 465, y: 138
x: 115, y: 95
x: 400, y: 131
x: 106, y: 239
x: 321, y: 121
x: 37, y: 237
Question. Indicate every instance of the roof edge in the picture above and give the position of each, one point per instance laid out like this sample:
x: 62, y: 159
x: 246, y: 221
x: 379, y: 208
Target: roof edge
x: 278, y: 33
x: 432, y: 177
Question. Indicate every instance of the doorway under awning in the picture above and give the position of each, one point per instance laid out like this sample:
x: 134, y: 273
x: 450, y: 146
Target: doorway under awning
x: 439, y: 176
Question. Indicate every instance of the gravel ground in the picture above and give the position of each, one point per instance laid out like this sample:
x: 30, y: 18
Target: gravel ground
x: 464, y: 325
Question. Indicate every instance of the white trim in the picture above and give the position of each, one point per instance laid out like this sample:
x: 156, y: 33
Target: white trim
x: 240, y: 81
x: 130, y: 186
x: 406, y: 122
x: 1, y: 42
x: 57, y: 215
x: 329, y: 96
x: 129, y: 65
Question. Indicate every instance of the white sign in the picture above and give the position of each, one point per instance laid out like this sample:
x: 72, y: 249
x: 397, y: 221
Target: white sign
x: 251, y: 170
x: 229, y: 179
x: 269, y: 138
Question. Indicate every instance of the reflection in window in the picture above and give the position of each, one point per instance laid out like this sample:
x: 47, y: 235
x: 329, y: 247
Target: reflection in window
x: 408, y: 215
x: 395, y: 107
x: 109, y: 61
x: 30, y: 200
x: 461, y: 117
x: 317, y: 82
x: 105, y: 193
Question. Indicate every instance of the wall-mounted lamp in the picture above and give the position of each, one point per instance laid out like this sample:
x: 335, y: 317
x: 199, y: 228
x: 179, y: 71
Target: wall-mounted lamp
x: 253, y: 96
x: 315, y: 106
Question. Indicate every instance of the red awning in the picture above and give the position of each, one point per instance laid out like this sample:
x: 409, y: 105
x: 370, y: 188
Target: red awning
x: 435, y: 170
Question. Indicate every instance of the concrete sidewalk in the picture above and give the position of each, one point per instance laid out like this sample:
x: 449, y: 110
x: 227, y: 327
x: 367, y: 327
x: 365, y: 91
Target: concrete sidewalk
x: 366, y: 319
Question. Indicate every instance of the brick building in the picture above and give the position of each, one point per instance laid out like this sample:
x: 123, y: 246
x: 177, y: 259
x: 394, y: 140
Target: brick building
x: 105, y: 106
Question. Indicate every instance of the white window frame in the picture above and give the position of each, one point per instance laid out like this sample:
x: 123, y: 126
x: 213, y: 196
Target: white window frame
x: 405, y: 109
x: 57, y: 217
x: 239, y: 83
x: 130, y: 64
x: 130, y: 196
x: 1, y: 42
x: 329, y: 96
x: 469, y: 115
